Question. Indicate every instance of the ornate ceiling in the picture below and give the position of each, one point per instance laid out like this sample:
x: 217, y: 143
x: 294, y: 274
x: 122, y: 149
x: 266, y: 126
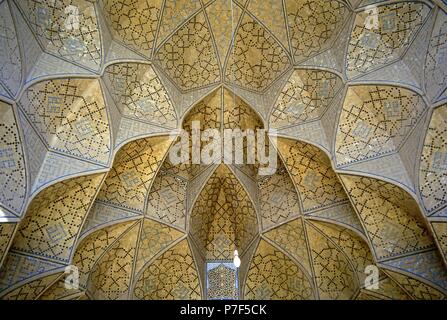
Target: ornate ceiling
x: 91, y: 92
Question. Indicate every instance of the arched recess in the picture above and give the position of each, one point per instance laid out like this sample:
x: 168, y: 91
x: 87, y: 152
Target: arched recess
x: 173, y: 275
x: 231, y: 224
x: 396, y: 229
x: 46, y: 237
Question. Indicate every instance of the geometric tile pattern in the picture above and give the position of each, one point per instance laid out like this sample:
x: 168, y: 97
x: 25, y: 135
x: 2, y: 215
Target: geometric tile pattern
x: 380, y: 36
x: 128, y: 182
x: 110, y: 278
x: 31, y: 290
x: 67, y: 28
x: 188, y: 57
x: 433, y: 164
x: 374, y: 121
x: 440, y: 229
x: 12, y: 166
x: 278, y: 198
x: 257, y: 59
x: 274, y: 276
x: 140, y: 94
x: 291, y: 237
x: 389, y: 216
x: 435, y: 73
x: 305, y: 97
x: 171, y: 276
x: 222, y: 281
x: 11, y: 66
x: 333, y: 273
x: 230, y: 224
x: 167, y: 200
x: 313, y: 25
x: 70, y: 116
x: 134, y: 22
x: 54, y: 218
x: 6, y: 233
x: 312, y: 173
x: 154, y: 237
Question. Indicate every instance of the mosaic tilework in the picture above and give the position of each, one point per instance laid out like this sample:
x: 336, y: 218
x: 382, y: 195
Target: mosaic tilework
x: 167, y: 200
x: 175, y: 12
x: 440, y: 229
x: 257, y: 58
x: 31, y: 290
x: 140, y: 94
x: 18, y: 268
x: 154, y: 237
x: 435, y: 73
x: 188, y: 57
x: 134, y: 22
x: 292, y: 238
x: 223, y: 16
x: 54, y: 218
x: 312, y: 173
x: 305, y: 97
x: 12, y: 165
x: 388, y: 215
x: 355, y: 248
x: 433, y: 165
x: 10, y: 68
x: 333, y: 273
x: 70, y: 115
x: 68, y: 29
x: 389, y: 289
x: 374, y: 121
x: 171, y: 276
x: 110, y: 278
x: 278, y: 198
x: 233, y: 222
x: 57, y: 291
x: 90, y: 250
x: 376, y: 43
x: 133, y: 171
x: 222, y: 281
x: 262, y: 9
x: 6, y: 233
x: 274, y: 276
x: 416, y: 288
x: 313, y: 25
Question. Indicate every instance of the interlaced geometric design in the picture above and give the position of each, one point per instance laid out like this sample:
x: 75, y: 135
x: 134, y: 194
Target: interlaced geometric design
x: 382, y: 36
x: 274, y: 276
x: 140, y: 94
x: 257, y: 58
x: 91, y: 249
x: 66, y: 28
x: 12, y: 165
x: 134, y: 22
x: 221, y: 281
x: 6, y: 233
x: 334, y: 275
x: 70, y: 115
x: 230, y: 224
x: 278, y: 198
x: 31, y: 290
x: 433, y: 165
x: 171, y: 276
x: 154, y: 237
x: 313, y: 25
x: 312, y: 173
x: 291, y: 237
x: 375, y: 121
x: 54, y: 218
x: 167, y: 200
x: 389, y: 215
x: 110, y: 278
x: 11, y: 66
x: 188, y: 56
x: 440, y: 229
x: 305, y: 97
x: 127, y: 183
